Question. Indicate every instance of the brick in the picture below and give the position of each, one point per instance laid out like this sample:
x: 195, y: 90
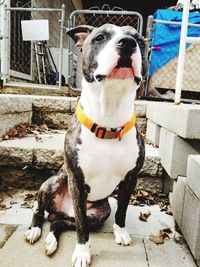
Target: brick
x: 191, y: 222
x: 193, y: 174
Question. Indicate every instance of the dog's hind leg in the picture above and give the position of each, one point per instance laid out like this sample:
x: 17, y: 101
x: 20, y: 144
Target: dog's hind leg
x: 56, y: 228
x: 35, y: 230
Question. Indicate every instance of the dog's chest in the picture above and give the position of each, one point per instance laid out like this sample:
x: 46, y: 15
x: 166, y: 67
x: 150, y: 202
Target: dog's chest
x: 105, y: 163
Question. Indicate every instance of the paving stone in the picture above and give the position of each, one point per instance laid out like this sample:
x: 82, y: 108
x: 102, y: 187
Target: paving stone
x: 180, y: 119
x: 6, y: 230
x: 193, y: 174
x: 174, y: 151
x: 169, y: 254
x: 104, y: 251
x: 191, y: 222
x: 153, y: 132
x: 13, y: 119
x: 177, y: 200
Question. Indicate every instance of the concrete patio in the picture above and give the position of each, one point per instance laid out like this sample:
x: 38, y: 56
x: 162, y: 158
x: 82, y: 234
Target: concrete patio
x: 15, y: 251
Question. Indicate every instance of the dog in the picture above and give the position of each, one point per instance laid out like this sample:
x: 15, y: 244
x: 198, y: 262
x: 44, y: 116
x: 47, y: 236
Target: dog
x: 104, y: 149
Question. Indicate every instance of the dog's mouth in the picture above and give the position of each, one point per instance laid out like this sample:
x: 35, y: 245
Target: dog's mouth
x: 126, y: 68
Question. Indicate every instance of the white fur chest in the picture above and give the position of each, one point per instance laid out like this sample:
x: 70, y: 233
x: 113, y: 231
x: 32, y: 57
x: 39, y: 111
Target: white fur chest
x: 104, y: 162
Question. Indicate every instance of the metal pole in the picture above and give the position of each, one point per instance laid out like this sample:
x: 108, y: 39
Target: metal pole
x: 181, y: 57
x: 61, y: 46
x: 3, y: 49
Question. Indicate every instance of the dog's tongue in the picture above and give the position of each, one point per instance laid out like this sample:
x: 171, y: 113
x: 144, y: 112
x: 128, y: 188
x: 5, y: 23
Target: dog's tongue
x: 121, y: 73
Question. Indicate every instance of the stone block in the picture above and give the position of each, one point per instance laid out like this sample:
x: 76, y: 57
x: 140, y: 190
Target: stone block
x: 177, y: 199
x: 140, y: 108
x: 152, y: 166
x: 54, y: 120
x: 54, y: 104
x: 191, y: 222
x: 174, y: 151
x: 152, y: 184
x: 193, y: 174
x: 16, y: 152
x: 9, y: 121
x: 180, y: 119
x: 10, y: 104
x: 153, y: 132
x: 168, y: 183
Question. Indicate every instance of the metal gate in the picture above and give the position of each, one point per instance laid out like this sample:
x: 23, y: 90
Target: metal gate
x: 96, y: 18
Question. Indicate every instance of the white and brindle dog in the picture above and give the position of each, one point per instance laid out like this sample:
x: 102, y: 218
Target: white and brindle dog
x: 103, y: 147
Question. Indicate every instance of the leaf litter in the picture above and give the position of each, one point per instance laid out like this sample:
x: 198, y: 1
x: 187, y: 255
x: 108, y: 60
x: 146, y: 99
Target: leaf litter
x: 25, y: 129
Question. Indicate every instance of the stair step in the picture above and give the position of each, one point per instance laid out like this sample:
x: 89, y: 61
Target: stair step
x: 45, y: 152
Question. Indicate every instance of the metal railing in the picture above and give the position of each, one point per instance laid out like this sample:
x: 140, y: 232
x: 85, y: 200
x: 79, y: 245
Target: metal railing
x: 179, y: 75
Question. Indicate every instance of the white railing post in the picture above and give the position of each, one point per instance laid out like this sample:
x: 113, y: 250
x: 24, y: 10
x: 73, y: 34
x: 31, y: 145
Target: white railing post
x: 4, y: 43
x: 61, y: 46
x: 181, y: 57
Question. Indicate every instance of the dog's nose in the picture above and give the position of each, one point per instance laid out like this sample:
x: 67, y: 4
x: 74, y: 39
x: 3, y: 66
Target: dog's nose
x: 126, y: 42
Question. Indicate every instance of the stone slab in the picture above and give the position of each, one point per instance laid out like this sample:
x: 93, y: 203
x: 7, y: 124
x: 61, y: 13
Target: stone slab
x: 10, y: 104
x: 191, y: 222
x: 177, y: 200
x: 193, y: 174
x: 11, y: 120
x: 104, y: 251
x: 153, y: 132
x: 54, y: 103
x: 6, y: 230
x: 174, y: 151
x: 44, y: 151
x: 180, y: 119
x: 169, y: 254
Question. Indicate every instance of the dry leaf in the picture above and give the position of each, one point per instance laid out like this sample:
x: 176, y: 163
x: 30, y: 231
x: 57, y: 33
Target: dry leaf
x: 144, y: 216
x: 159, y: 238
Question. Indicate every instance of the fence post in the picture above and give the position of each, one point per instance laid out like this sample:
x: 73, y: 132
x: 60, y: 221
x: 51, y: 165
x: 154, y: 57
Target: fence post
x: 181, y: 57
x: 61, y: 46
x: 4, y: 45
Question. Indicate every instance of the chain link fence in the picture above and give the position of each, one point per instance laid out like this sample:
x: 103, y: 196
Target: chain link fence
x: 96, y: 18
x: 163, y: 49
x: 38, y: 61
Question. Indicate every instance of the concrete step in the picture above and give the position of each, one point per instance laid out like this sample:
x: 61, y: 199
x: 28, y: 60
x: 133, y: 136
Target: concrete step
x: 180, y: 119
x: 174, y: 151
x: 14, y: 110
x: 31, y: 155
x: 185, y: 203
x: 54, y: 111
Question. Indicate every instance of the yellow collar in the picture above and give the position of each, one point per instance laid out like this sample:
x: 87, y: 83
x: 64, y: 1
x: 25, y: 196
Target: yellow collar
x: 102, y: 132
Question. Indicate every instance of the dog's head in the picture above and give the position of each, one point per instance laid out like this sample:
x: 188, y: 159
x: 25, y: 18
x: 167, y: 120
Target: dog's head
x: 110, y: 52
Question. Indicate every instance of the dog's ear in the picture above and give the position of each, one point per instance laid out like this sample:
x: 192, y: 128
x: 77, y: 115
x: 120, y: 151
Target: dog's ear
x: 141, y: 43
x: 79, y: 34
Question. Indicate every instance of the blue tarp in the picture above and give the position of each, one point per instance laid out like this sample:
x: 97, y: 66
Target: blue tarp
x: 167, y: 37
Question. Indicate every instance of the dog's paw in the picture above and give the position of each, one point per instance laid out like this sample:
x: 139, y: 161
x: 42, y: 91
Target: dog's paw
x: 50, y: 244
x: 33, y: 234
x: 122, y: 236
x: 81, y: 256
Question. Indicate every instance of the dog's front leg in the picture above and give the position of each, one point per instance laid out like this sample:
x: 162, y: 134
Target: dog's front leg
x: 126, y: 188
x: 81, y: 255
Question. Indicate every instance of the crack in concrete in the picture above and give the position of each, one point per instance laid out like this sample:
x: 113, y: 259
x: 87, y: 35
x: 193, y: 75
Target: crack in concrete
x: 145, y: 249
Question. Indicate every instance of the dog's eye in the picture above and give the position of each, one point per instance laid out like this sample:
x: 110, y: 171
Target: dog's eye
x: 99, y: 38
